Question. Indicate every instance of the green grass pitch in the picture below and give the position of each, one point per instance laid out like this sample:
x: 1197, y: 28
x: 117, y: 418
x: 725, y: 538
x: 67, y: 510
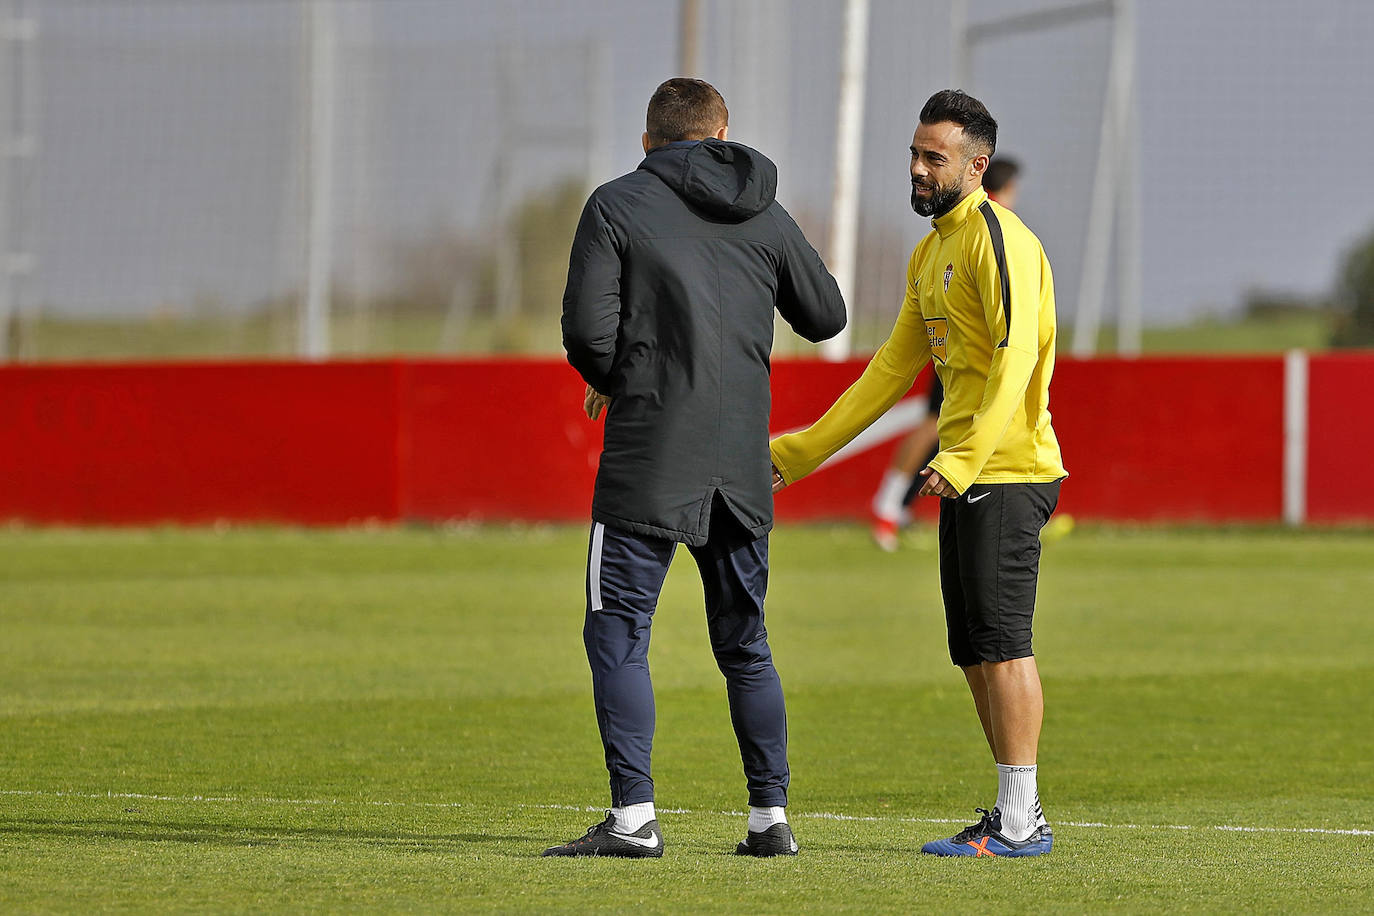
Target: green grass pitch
x: 401, y: 720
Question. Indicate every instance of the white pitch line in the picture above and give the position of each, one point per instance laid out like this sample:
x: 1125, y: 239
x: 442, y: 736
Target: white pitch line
x: 1090, y: 825
x: 813, y: 815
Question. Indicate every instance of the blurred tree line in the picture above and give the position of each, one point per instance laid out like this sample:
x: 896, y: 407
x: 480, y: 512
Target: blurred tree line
x: 1354, y: 297
x: 502, y: 292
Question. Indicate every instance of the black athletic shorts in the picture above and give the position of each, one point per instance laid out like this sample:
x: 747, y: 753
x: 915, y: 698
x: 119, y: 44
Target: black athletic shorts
x: 935, y: 398
x: 989, y: 564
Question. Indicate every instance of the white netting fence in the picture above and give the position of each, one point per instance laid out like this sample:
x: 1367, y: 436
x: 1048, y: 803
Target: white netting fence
x: 162, y: 168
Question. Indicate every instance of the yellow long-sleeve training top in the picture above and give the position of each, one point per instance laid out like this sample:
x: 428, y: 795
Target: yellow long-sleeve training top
x: 980, y: 302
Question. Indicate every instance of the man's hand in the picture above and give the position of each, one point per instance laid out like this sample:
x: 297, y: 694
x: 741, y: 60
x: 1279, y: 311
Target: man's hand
x: 593, y: 402
x: 935, y: 485
x: 778, y: 482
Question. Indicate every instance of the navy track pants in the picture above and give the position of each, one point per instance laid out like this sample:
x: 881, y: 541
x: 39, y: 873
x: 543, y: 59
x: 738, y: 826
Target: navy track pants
x: 625, y: 573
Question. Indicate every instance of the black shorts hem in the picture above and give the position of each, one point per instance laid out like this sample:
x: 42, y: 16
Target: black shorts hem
x: 1010, y: 657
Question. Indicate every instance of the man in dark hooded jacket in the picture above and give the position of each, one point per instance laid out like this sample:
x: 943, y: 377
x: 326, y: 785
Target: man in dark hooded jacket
x: 675, y: 272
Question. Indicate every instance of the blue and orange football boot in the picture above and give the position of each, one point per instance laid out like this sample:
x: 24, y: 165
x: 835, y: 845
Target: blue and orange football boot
x: 985, y: 839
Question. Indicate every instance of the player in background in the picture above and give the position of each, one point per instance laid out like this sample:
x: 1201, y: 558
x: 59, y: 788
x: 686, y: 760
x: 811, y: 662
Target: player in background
x: 900, y: 484
x: 1002, y: 181
x: 980, y: 303
x: 675, y: 273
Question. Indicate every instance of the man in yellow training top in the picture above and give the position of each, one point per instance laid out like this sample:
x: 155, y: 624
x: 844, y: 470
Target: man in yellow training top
x: 980, y: 303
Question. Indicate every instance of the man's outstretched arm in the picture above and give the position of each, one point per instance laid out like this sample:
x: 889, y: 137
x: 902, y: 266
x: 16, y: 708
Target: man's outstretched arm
x: 887, y: 377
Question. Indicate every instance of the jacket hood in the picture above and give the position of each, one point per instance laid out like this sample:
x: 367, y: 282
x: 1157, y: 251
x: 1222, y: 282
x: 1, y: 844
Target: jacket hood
x: 728, y: 181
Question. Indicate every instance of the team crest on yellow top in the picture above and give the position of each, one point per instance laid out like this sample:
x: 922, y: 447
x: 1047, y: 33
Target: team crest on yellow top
x: 937, y: 329
x: 949, y: 274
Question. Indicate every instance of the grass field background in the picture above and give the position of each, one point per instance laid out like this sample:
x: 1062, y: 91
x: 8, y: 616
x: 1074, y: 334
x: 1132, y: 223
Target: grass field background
x: 401, y: 720
x: 52, y: 338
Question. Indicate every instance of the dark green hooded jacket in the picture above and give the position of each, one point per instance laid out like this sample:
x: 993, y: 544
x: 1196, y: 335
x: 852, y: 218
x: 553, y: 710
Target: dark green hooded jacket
x: 676, y: 269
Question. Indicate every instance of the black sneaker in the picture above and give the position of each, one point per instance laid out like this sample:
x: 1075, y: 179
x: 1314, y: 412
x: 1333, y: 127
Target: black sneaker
x: 775, y: 841
x: 603, y: 840
x: 985, y: 838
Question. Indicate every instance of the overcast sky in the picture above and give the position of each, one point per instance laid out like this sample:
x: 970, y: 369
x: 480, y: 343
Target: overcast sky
x: 171, y: 152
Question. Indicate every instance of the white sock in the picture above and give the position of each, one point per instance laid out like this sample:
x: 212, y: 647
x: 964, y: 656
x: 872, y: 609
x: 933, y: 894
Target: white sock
x: 1018, y: 800
x: 760, y: 819
x: 631, y: 817
x: 887, y: 502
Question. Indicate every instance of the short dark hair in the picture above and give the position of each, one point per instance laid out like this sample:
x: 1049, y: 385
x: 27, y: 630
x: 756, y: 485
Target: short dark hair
x: 1001, y: 172
x: 980, y: 129
x: 684, y: 109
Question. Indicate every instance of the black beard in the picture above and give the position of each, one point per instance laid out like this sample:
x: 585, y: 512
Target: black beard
x: 941, y: 201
